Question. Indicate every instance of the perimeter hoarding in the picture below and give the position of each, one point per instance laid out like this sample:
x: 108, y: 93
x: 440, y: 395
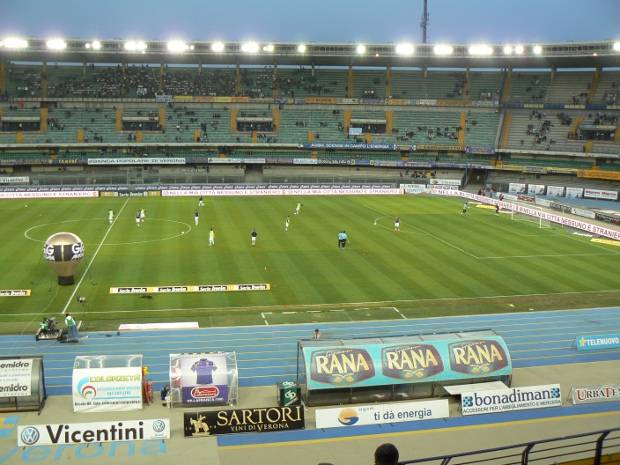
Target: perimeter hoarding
x: 598, y: 342
x: 107, y: 389
x: 504, y: 400
x: 408, y: 360
x: 382, y: 413
x: 203, y: 378
x: 16, y: 377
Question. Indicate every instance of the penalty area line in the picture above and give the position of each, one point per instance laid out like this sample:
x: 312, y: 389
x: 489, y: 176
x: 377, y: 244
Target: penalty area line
x: 92, y: 260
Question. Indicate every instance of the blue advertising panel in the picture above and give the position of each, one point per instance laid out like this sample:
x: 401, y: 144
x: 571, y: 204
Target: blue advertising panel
x: 410, y: 360
x: 605, y: 341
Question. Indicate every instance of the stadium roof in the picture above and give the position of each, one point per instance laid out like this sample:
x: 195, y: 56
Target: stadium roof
x: 543, y: 55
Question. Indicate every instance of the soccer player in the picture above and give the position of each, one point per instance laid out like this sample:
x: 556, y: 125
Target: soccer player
x: 342, y: 239
x: 497, y: 208
x: 110, y: 216
x: 298, y: 208
x: 397, y: 224
x: 253, y: 236
x: 201, y: 201
x: 286, y: 224
x: 211, y: 237
x: 196, y: 217
x: 465, y: 207
x: 138, y: 218
x: 142, y: 215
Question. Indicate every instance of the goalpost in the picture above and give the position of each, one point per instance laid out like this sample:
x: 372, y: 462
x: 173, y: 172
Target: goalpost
x: 537, y: 220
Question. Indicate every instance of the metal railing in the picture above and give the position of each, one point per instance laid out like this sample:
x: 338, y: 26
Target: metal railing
x: 593, y: 446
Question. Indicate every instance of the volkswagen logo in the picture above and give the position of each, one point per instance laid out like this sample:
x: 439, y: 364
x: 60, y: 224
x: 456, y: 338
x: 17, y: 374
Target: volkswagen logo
x: 159, y: 426
x: 30, y: 435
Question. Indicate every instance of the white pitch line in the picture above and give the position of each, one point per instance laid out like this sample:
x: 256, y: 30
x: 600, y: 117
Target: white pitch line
x: 547, y: 255
x: 397, y: 311
x: 262, y: 314
x: 258, y: 307
x: 64, y: 310
x: 336, y: 310
x: 288, y: 313
x: 313, y: 311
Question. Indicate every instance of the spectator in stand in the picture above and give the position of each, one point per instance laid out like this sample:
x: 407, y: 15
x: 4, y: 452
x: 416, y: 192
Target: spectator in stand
x: 386, y: 454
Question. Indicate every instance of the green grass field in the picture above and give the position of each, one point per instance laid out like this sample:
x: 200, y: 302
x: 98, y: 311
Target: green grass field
x: 440, y: 263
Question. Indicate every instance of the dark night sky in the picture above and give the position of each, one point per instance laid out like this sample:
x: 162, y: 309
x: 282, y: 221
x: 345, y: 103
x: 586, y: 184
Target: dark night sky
x: 457, y: 21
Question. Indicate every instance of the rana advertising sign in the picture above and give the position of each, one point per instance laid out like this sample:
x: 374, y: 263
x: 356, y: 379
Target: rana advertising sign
x: 409, y: 360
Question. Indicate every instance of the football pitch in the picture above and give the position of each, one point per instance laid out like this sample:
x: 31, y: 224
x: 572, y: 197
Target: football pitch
x: 440, y: 263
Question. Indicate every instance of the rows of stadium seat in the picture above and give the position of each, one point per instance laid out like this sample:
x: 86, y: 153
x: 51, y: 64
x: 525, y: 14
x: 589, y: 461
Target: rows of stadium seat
x: 144, y: 81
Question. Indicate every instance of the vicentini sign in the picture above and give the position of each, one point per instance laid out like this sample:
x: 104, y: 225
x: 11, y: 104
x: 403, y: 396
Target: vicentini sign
x: 504, y: 400
x: 79, y: 433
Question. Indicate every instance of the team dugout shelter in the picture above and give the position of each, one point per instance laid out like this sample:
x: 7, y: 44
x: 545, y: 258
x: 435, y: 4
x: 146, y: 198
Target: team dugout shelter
x: 341, y: 371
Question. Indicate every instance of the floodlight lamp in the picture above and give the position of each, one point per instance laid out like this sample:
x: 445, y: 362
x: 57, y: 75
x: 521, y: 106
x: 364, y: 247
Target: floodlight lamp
x: 96, y: 45
x: 217, y: 47
x: 404, y: 49
x: 177, y: 46
x: 135, y: 46
x: 56, y: 44
x: 15, y: 43
x: 443, y: 49
x: 301, y: 48
x: 617, y: 46
x: 250, y: 47
x: 508, y: 49
x: 480, y: 50
x: 360, y: 49
x: 537, y: 49
x: 519, y: 49
x: 268, y: 48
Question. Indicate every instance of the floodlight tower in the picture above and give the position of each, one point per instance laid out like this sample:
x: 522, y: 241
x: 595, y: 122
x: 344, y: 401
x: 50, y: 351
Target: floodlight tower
x: 424, y: 22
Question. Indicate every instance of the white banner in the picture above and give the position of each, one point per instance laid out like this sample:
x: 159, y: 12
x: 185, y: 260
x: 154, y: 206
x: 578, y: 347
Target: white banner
x: 574, y: 192
x: 444, y: 182
x: 516, y: 188
x: 535, y: 189
x: 382, y: 413
x: 556, y: 191
x: 597, y: 393
x: 600, y: 194
x: 582, y: 212
x: 15, y: 292
x: 191, y: 288
x: 552, y: 217
x: 104, y: 431
x: 14, y: 179
x: 256, y: 192
x: 47, y: 195
x: 137, y: 161
x: 15, y: 377
x: 305, y: 161
x: 504, y: 400
x: 107, y: 389
x: 414, y: 188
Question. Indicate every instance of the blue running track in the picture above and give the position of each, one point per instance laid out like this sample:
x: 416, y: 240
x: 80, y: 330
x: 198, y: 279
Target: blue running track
x: 268, y: 354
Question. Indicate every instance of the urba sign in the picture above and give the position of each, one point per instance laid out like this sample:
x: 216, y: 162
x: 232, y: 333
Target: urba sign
x: 253, y: 420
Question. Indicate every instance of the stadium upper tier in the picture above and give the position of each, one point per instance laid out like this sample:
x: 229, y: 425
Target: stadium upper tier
x: 518, y: 86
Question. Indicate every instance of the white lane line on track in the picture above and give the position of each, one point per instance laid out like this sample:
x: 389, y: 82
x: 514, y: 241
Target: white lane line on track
x: 92, y: 260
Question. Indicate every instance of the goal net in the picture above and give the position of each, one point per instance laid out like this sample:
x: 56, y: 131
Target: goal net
x: 537, y: 220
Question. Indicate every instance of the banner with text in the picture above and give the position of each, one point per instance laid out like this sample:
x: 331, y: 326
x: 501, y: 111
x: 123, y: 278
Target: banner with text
x: 85, y: 433
x: 505, y: 400
x: 250, y: 420
x: 15, y: 377
x: 282, y: 191
x: 192, y: 288
x: 382, y: 413
x: 107, y: 389
x: 47, y: 194
x: 516, y: 188
x: 594, y: 394
x: 356, y: 364
x: 601, y: 342
x: 600, y: 194
x: 556, y: 191
x: 137, y: 161
x: 201, y: 378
